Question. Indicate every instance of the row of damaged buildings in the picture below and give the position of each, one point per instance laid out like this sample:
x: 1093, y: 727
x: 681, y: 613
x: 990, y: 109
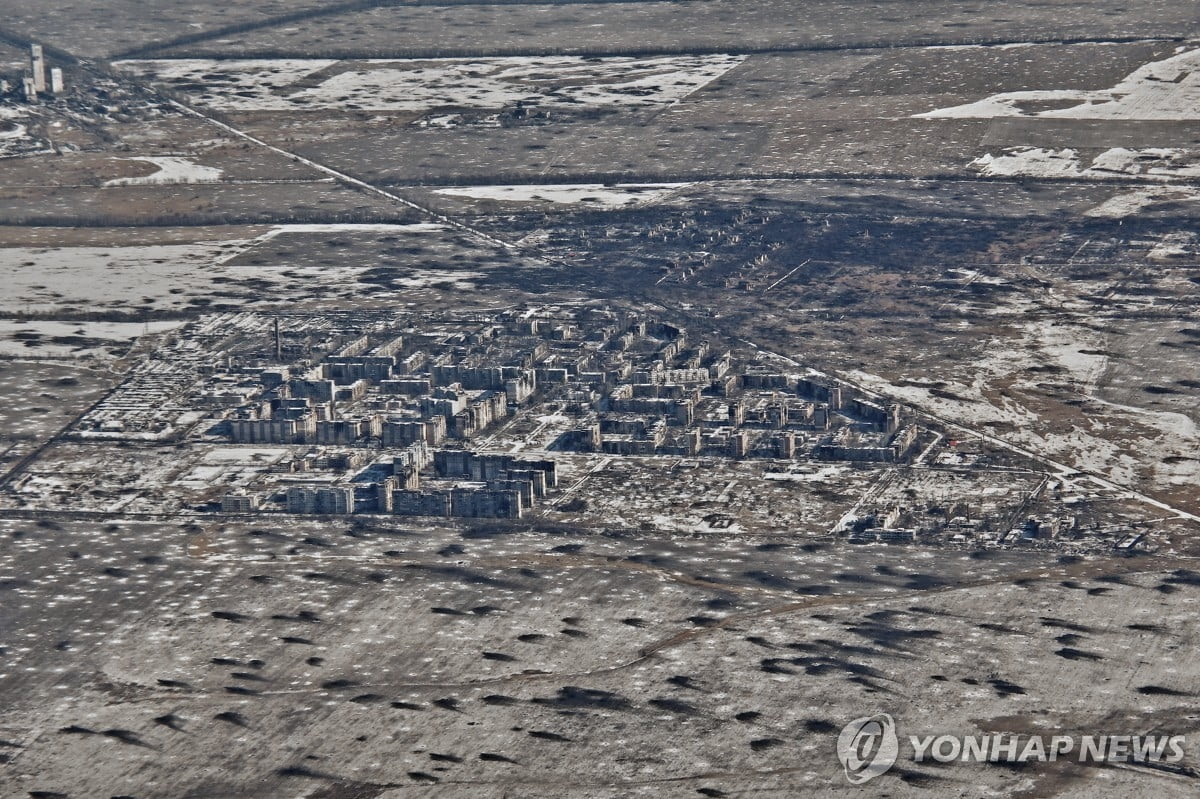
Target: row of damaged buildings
x: 423, y: 482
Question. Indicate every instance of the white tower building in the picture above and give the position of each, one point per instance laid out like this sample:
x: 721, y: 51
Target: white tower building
x: 38, y: 62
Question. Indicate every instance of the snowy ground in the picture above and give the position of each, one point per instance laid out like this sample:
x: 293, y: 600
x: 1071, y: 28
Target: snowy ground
x: 1127, y: 444
x: 643, y: 667
x: 1128, y: 203
x: 156, y: 277
x: 1161, y: 90
x: 1151, y: 163
x: 1167, y: 89
x: 46, y: 279
x: 418, y: 227
x: 14, y: 133
x: 594, y: 194
x: 561, y: 82
x: 171, y: 170
x: 51, y: 339
x: 282, y: 230
x: 1180, y: 244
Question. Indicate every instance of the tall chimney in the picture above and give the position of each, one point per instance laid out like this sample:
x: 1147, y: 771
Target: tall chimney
x: 38, y: 63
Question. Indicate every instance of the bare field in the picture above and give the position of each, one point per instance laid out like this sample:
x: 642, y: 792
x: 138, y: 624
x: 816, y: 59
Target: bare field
x: 68, y: 237
x: 839, y: 112
x: 432, y: 660
x: 726, y: 24
x: 204, y: 204
x: 191, y: 141
x: 39, y: 398
x: 101, y: 31
x: 417, y: 86
x: 1153, y: 367
x: 277, y: 266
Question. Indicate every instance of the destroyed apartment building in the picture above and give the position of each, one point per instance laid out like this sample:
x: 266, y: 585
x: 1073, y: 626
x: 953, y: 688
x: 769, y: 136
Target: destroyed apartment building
x: 393, y: 409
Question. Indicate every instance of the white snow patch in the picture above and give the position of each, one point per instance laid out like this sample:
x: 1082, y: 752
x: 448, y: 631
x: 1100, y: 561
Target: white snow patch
x: 171, y: 170
x: 257, y: 75
x: 245, y: 455
x: 421, y: 85
x: 1065, y: 345
x: 975, y: 276
x: 17, y: 140
x: 15, y: 341
x: 383, y: 227
x: 448, y: 121
x: 594, y: 194
x: 424, y: 278
x: 1128, y: 203
x: 1179, y: 244
x: 1151, y: 163
x: 1031, y: 161
x: 49, y: 278
x: 1167, y: 89
x: 820, y: 475
x: 335, y: 227
x: 1161, y: 446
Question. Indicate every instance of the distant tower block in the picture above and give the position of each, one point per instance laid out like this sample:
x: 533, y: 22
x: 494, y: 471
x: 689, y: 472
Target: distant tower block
x: 56, y: 81
x: 30, y: 89
x: 38, y: 62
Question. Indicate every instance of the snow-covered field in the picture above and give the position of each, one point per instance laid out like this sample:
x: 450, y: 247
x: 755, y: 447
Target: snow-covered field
x: 351, y: 227
x: 1150, y: 163
x: 424, y: 278
x: 1179, y: 244
x: 1167, y: 89
x: 1029, y: 161
x: 423, y: 85
x: 15, y: 138
x: 261, y: 77
x: 50, y: 279
x: 592, y: 194
x: 1161, y: 90
x: 279, y: 230
x: 50, y: 339
x: 1131, y: 202
x: 819, y: 474
x: 46, y: 279
x: 1129, y: 445
x: 171, y: 170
